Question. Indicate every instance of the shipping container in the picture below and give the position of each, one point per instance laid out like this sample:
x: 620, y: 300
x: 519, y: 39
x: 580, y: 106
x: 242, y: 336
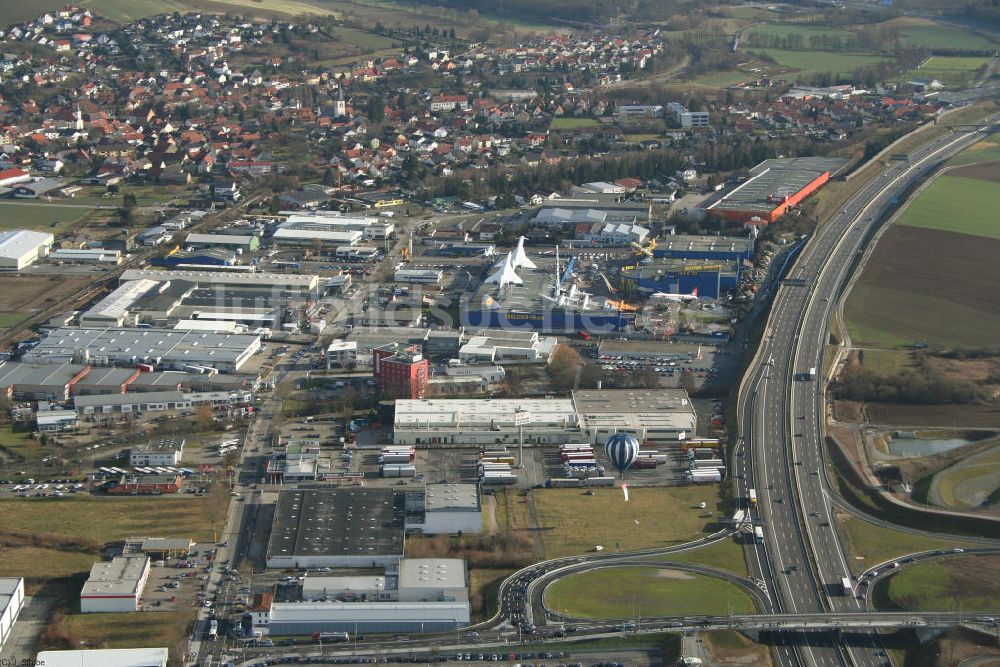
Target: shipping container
x: 643, y: 464
x: 398, y: 470
x: 699, y: 464
x: 601, y: 481
x: 394, y: 458
x: 560, y: 482
x: 576, y: 463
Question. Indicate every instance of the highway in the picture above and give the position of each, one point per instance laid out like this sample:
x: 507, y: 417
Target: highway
x: 782, y: 415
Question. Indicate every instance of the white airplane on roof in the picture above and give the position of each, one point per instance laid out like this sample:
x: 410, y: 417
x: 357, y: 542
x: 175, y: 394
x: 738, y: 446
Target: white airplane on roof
x: 670, y: 296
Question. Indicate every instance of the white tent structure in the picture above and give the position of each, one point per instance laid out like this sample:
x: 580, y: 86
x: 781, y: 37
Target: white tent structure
x: 521, y: 257
x: 505, y: 275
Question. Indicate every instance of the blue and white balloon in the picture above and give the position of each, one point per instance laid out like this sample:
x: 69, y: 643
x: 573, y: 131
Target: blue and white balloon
x: 622, y: 450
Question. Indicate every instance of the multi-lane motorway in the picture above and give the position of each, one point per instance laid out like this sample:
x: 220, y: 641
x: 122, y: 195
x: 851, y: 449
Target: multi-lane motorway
x: 782, y: 415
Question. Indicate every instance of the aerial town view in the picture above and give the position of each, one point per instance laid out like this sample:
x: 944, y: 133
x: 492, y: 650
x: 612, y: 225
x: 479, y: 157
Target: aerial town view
x: 561, y: 333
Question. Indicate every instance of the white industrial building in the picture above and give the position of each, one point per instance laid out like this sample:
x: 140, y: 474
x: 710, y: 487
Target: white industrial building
x: 292, y: 284
x: 115, y: 586
x: 20, y: 248
x: 326, y: 237
x: 156, y: 401
x: 104, y: 657
x: 11, y: 602
x: 86, y: 256
x: 445, y: 509
x: 372, y: 229
x: 663, y: 415
x: 298, y: 618
x: 114, y: 309
x: 511, y: 347
x: 417, y: 595
x: 484, y: 421
x: 162, y: 452
x: 169, y: 349
x: 342, y: 354
x: 418, y: 276
x: 618, y: 233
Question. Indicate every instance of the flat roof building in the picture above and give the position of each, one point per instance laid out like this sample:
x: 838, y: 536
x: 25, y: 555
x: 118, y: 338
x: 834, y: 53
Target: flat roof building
x: 507, y: 346
x: 484, y: 421
x: 159, y: 452
x: 114, y: 309
x: 444, y: 509
x: 159, y: 547
x: 179, y: 350
x: 349, y: 527
x: 115, y: 586
x: 11, y: 602
x: 105, y: 657
x: 649, y: 414
x: 774, y: 186
x: 301, y: 284
x: 246, y: 243
x: 326, y: 237
x: 20, y: 248
x: 711, y: 277
x: 415, y: 595
x: 705, y: 247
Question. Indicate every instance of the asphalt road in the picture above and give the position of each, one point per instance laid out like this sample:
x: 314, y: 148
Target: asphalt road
x: 802, y: 560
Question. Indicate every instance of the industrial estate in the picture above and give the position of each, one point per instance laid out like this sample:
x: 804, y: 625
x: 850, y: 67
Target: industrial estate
x: 568, y: 334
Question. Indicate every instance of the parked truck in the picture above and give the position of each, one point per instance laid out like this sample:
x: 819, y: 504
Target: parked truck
x: 758, y: 535
x: 213, y: 629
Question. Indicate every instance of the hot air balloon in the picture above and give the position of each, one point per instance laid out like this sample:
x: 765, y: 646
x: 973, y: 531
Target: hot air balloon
x: 622, y: 449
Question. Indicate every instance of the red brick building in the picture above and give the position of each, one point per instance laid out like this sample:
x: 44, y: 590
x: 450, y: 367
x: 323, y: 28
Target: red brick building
x: 402, y: 372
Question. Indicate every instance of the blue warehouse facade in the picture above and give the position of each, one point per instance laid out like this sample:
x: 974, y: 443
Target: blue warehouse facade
x: 712, y: 279
x: 725, y: 248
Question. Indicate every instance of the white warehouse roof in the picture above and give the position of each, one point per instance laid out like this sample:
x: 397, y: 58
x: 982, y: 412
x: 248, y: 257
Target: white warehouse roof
x: 308, y: 281
x: 456, y: 413
x: 16, y: 243
x: 116, y: 305
x: 114, y: 657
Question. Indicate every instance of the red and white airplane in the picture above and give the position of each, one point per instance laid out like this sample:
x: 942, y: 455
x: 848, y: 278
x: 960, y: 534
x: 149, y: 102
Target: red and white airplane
x: 668, y: 296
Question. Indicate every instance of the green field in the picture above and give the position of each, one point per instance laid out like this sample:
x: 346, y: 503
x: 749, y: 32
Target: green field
x: 53, y: 218
x: 869, y: 544
x: 966, y: 583
x: 9, y: 319
x: 887, y: 362
x: 984, y: 151
x: 814, y: 62
x: 103, y: 519
x: 806, y: 31
x: 938, y: 36
x: 571, y: 522
x: 955, y: 204
x: 634, y: 592
x: 949, y: 70
x: 722, y: 79
x: 726, y: 555
x: 566, y: 123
